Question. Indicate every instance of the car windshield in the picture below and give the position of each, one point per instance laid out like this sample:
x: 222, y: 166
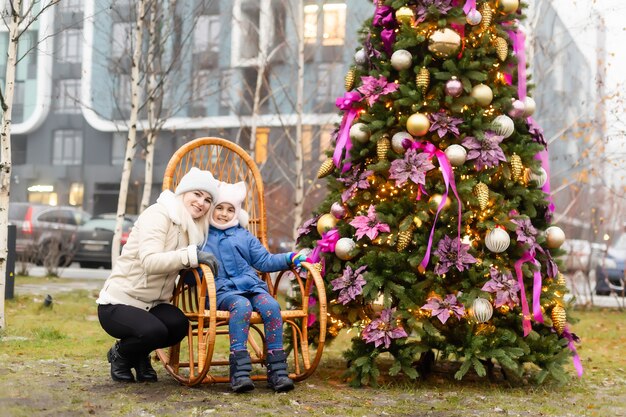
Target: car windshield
x: 107, y: 224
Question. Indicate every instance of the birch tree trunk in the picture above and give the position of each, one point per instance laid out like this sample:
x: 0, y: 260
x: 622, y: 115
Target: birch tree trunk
x: 131, y: 142
x: 298, y: 198
x: 5, y: 144
x: 152, y: 133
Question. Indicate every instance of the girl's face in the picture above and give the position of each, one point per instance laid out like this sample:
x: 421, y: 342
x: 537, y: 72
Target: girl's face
x: 223, y: 213
x: 197, y: 203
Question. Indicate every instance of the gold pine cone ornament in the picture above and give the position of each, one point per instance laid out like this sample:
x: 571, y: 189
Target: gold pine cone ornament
x: 502, y: 48
x: 422, y: 80
x: 349, y: 80
x: 382, y: 147
x: 482, y: 194
x: 405, y: 237
x: 487, y: 14
x: 327, y: 167
x: 559, y: 318
x: 517, y: 169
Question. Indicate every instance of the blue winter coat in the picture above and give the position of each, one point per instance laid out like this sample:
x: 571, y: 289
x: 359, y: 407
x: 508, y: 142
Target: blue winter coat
x: 240, y: 254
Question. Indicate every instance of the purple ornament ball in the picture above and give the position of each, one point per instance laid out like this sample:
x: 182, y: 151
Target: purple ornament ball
x: 454, y: 87
x: 338, y: 210
x: 517, y: 109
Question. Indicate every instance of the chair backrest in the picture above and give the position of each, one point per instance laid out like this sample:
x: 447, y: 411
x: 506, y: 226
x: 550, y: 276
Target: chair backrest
x: 227, y: 162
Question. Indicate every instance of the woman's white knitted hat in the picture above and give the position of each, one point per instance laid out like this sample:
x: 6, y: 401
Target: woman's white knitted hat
x: 197, y: 179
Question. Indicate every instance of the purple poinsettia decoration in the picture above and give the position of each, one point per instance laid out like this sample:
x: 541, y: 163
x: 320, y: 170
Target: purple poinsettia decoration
x: 442, y: 309
x: 369, y: 225
x: 349, y: 284
x: 383, y: 330
x: 504, y: 286
x: 355, y: 180
x: 536, y: 133
x: 307, y: 227
x: 452, y: 253
x: 413, y: 166
x: 526, y: 232
x: 443, y: 124
x: 372, y: 88
x: 486, y: 153
x: 422, y: 8
x: 552, y: 269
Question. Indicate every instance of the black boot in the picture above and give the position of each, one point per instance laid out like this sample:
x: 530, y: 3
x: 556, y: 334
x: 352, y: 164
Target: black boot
x: 144, y: 370
x: 277, y: 376
x: 240, y: 367
x: 120, y: 365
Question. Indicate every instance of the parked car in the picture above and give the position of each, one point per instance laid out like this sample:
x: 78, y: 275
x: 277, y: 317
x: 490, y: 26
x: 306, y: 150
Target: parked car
x: 94, y: 240
x: 46, y: 234
x: 610, y: 270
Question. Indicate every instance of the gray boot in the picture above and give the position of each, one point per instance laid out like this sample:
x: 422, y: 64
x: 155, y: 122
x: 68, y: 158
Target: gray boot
x: 240, y: 367
x: 277, y: 376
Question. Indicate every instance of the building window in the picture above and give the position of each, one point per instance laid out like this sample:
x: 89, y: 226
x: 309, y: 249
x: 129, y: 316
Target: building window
x: 260, y: 145
x: 68, y: 96
x: 118, y: 148
x: 329, y: 83
x: 225, y: 86
x: 68, y: 147
x: 71, y: 45
x: 123, y: 93
x: 255, y: 28
x: 333, y: 17
x: 307, y: 142
x: 206, y: 34
x: 326, y: 135
x: 72, y: 5
x: 121, y: 39
x: 77, y: 192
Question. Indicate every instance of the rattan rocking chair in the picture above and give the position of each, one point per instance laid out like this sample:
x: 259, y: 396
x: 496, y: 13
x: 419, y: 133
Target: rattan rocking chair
x: 203, y: 357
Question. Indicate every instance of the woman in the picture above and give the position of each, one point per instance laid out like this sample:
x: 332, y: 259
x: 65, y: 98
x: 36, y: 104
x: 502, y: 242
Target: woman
x: 134, y: 304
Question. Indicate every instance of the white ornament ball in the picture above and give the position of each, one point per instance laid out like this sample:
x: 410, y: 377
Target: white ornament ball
x: 401, y: 59
x: 517, y: 108
x: 509, y: 6
x: 482, y: 94
x: 554, y: 237
x: 482, y: 310
x: 397, y: 141
x: 360, y: 132
x: 338, y: 210
x: 497, y: 240
x: 360, y: 57
x: 344, y: 247
x: 503, y: 126
x: 456, y: 154
x: 540, y: 178
x: 529, y: 106
x: 474, y: 17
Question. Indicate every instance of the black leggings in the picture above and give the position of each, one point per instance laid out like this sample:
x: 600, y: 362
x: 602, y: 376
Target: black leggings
x: 140, y: 331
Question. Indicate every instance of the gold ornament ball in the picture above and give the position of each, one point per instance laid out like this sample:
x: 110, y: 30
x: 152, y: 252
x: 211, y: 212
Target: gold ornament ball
x: 417, y: 124
x: 435, y: 201
x: 405, y: 15
x: 554, y: 237
x: 482, y: 310
x: 482, y: 94
x: 325, y: 223
x: 444, y: 42
x: 509, y: 6
x: 378, y: 305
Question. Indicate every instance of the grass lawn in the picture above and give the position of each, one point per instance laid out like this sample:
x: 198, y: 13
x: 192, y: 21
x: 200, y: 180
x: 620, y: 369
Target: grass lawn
x: 52, y: 363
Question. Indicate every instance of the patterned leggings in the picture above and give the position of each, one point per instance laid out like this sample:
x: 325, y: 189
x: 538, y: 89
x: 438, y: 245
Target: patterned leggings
x: 240, y: 308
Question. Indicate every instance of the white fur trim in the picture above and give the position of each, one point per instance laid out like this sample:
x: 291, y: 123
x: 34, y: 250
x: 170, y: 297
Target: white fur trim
x: 168, y: 200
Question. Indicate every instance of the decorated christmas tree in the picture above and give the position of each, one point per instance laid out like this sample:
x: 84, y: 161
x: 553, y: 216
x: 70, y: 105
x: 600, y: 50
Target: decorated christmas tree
x: 435, y: 237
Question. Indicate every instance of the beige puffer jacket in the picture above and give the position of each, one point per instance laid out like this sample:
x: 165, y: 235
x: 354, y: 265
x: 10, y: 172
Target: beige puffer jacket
x: 157, y: 249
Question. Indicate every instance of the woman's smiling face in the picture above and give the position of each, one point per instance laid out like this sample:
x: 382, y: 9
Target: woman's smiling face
x: 197, y: 203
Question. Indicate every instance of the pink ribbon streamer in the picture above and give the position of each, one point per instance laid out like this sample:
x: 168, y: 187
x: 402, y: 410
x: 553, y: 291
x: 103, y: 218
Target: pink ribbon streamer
x: 469, y: 5
x: 570, y: 344
x: 529, y: 256
x: 518, y: 38
x: 326, y: 244
x: 448, y: 179
x: 343, y: 140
